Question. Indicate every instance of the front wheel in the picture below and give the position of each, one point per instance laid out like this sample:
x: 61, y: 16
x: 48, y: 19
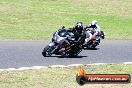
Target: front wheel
x: 44, y: 53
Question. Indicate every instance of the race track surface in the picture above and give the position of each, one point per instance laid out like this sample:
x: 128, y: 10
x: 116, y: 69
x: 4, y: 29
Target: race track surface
x: 15, y: 54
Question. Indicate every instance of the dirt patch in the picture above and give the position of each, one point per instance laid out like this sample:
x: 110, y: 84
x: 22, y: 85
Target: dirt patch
x: 4, y: 8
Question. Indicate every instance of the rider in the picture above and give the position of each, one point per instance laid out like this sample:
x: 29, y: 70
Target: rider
x: 95, y: 30
x: 79, y: 32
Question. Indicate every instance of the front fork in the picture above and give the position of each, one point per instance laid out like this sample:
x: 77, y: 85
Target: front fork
x: 53, y: 47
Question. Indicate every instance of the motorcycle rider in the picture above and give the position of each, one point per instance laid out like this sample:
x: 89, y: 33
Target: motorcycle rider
x: 94, y: 25
x: 96, y: 30
x: 79, y: 33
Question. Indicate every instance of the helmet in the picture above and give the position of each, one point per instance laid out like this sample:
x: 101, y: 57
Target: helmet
x: 79, y: 26
x: 94, y: 22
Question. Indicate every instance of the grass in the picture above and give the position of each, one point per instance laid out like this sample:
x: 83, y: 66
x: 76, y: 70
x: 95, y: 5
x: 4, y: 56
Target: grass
x: 38, y: 19
x: 60, y: 77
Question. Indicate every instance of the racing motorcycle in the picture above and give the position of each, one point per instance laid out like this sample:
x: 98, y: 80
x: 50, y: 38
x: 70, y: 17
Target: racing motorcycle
x: 91, y: 44
x: 63, y: 43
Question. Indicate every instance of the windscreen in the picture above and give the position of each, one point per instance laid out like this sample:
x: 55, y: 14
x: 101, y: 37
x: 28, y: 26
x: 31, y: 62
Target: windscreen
x: 62, y: 33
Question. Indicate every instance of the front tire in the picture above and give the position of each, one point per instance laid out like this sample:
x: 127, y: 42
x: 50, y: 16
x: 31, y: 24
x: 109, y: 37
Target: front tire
x: 44, y: 53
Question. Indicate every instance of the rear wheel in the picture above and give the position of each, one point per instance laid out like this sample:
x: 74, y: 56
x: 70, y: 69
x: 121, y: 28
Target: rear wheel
x: 92, y: 46
x: 75, y: 51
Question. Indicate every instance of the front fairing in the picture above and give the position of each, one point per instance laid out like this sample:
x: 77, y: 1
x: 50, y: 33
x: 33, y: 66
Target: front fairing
x: 60, y: 40
x: 60, y: 36
x: 51, y: 44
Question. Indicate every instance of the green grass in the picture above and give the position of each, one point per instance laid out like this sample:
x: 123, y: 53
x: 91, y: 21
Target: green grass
x: 60, y: 77
x: 38, y: 19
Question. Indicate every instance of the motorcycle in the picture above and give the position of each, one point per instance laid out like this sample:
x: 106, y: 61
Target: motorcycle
x: 63, y: 43
x: 95, y: 40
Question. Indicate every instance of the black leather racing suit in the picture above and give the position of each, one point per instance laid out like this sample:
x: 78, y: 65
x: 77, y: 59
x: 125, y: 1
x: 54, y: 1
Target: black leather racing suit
x: 79, y: 35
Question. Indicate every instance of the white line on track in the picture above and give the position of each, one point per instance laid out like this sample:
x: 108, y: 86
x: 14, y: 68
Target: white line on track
x: 126, y: 62
x: 58, y: 66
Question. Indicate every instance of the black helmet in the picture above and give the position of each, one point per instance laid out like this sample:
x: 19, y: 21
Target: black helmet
x: 79, y: 26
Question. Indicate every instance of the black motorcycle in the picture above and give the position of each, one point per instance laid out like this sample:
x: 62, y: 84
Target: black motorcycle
x: 63, y: 43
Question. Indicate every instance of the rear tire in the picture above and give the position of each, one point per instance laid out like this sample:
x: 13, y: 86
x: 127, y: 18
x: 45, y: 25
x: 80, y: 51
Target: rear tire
x: 75, y: 52
x: 91, y: 46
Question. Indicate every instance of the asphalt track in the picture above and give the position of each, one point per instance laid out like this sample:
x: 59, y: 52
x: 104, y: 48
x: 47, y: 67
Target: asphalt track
x: 15, y: 54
